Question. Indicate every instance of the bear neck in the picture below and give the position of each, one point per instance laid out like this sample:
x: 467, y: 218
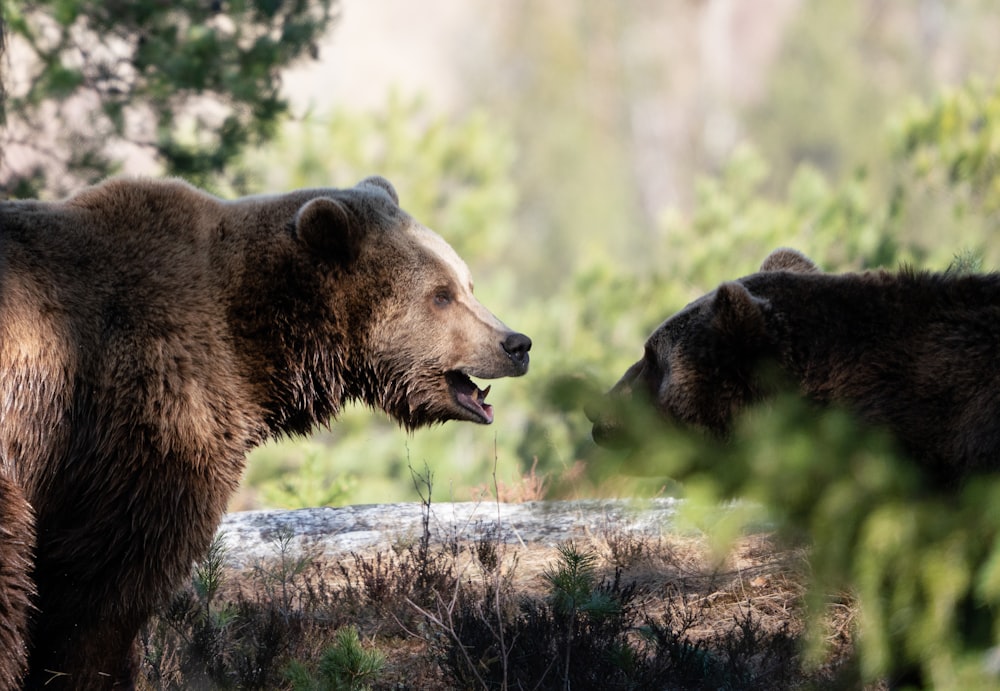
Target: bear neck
x: 293, y: 323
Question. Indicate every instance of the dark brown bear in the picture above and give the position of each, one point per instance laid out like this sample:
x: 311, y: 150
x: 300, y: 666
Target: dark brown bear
x: 917, y: 353
x: 151, y: 334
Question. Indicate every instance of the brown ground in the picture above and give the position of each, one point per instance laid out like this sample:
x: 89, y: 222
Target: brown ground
x: 675, y: 576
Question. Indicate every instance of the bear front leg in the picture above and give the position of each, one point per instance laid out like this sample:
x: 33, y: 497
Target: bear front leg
x: 17, y: 541
x: 90, y: 654
x: 99, y: 581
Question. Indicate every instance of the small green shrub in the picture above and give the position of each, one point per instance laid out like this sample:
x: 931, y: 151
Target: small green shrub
x: 345, y: 666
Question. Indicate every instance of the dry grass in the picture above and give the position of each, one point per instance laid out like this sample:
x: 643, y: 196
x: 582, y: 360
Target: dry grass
x: 450, y: 615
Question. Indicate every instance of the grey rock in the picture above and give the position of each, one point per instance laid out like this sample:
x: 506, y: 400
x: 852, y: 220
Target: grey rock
x: 252, y: 536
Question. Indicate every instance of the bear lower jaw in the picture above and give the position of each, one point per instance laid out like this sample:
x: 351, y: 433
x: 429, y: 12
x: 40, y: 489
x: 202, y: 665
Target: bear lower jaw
x: 469, y: 397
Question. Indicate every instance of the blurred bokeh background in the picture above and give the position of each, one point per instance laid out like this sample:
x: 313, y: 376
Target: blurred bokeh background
x: 598, y: 165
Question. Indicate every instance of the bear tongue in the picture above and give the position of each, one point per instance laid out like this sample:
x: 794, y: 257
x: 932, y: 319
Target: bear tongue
x: 472, y: 397
x: 476, y: 400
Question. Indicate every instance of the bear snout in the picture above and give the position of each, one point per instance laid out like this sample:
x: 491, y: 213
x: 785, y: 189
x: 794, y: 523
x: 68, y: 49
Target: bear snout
x: 517, y: 345
x: 594, y: 410
x: 609, y: 412
x: 608, y: 430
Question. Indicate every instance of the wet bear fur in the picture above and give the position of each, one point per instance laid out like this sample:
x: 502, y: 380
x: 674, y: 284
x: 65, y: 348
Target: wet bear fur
x: 150, y: 335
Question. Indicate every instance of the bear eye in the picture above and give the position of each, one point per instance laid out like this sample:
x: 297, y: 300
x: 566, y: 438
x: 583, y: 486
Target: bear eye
x: 442, y: 297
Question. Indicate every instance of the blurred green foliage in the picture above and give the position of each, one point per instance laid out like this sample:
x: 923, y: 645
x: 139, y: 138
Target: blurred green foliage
x: 844, y: 68
x: 311, y: 480
x: 948, y: 147
x: 188, y: 84
x: 573, y: 167
x: 452, y: 173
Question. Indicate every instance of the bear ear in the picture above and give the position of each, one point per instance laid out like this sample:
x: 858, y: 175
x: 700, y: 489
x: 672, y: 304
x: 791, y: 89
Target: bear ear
x: 326, y: 226
x: 736, y: 312
x: 787, y: 259
x: 381, y: 183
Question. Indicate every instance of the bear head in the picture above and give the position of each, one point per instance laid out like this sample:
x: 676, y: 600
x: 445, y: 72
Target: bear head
x: 702, y: 365
x: 409, y: 331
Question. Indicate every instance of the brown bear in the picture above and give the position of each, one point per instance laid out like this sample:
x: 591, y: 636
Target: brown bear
x: 915, y: 353
x: 152, y: 334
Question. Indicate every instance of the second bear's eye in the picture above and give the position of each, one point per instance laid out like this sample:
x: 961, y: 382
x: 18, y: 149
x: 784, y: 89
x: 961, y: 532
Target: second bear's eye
x: 442, y: 298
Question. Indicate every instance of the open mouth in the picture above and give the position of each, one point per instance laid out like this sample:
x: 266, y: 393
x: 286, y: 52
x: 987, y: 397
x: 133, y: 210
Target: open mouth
x: 470, y: 396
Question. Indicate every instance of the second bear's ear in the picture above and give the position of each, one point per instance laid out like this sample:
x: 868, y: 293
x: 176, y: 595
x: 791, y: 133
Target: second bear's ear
x: 327, y: 227
x: 381, y: 183
x: 787, y: 259
x: 736, y: 312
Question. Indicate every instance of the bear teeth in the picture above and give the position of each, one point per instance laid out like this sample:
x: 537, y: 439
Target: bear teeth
x: 469, y: 396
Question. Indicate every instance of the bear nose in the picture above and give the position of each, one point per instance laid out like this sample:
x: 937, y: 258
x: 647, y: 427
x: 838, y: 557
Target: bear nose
x: 517, y: 346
